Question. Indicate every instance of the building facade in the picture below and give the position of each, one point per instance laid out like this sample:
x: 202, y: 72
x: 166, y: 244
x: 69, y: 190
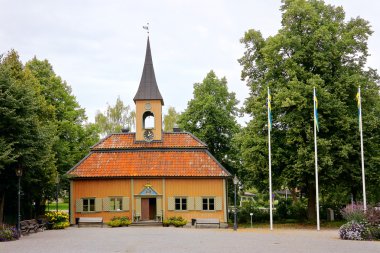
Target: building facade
x: 149, y: 174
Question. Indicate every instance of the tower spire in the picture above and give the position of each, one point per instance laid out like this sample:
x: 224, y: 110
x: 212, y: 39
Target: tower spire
x: 148, y: 89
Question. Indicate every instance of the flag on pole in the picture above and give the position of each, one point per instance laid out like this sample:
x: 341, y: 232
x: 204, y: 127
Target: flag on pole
x: 358, y: 99
x: 316, y: 110
x: 269, y: 111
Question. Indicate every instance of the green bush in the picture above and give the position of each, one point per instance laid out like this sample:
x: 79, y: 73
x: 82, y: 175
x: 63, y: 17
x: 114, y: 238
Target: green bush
x: 61, y: 225
x: 59, y: 220
x: 176, y: 221
x: 117, y: 221
x: 114, y: 223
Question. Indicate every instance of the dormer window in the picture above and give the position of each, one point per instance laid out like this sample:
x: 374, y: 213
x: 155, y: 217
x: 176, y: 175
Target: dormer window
x: 148, y: 120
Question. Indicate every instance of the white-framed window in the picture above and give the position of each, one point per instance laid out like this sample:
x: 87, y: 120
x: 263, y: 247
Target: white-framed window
x: 116, y: 203
x: 208, y: 203
x: 180, y: 203
x: 88, y: 205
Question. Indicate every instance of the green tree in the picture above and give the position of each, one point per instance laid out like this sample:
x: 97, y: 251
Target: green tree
x: 170, y: 119
x: 115, y: 118
x: 211, y: 116
x: 314, y: 47
x: 73, y: 137
x: 27, y: 132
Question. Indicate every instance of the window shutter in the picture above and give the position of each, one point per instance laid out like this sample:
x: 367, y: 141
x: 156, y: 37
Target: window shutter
x: 138, y: 207
x: 159, y: 206
x: 106, y: 204
x: 98, y: 205
x: 218, y: 203
x: 171, y: 203
x: 79, y: 205
x: 125, y: 204
x: 198, y: 203
x: 190, y: 203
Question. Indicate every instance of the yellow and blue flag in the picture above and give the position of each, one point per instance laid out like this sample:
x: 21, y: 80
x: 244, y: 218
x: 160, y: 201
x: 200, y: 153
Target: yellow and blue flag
x: 269, y: 110
x: 316, y: 110
x: 358, y: 99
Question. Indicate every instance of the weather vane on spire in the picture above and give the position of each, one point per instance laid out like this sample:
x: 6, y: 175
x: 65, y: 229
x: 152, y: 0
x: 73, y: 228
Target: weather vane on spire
x: 146, y: 28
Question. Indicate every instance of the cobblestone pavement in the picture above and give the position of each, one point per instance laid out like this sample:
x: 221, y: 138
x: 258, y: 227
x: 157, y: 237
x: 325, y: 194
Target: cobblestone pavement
x: 159, y: 239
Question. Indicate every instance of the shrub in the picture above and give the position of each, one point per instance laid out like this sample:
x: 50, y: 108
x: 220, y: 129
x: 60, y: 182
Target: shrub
x: 353, y: 230
x: 353, y: 212
x: 176, y: 221
x: 117, y: 221
x: 61, y: 225
x: 8, y: 234
x: 114, y: 223
x: 59, y: 220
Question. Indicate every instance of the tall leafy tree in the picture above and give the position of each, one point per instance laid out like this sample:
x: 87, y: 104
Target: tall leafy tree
x: 73, y: 137
x: 170, y: 119
x: 27, y: 133
x: 115, y: 118
x: 315, y: 47
x: 211, y: 116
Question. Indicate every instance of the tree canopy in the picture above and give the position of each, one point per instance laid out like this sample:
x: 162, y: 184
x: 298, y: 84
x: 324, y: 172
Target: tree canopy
x: 115, y: 118
x: 315, y: 47
x: 170, y: 119
x: 42, y: 131
x: 211, y: 116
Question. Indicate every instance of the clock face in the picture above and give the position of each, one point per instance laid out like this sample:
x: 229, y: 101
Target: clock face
x: 148, y: 135
x: 148, y: 106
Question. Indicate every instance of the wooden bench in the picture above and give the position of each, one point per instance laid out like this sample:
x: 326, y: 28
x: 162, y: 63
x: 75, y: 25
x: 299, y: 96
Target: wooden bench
x: 90, y: 221
x: 207, y: 222
x: 27, y: 226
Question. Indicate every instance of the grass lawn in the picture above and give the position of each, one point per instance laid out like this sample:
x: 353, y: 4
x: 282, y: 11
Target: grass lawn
x: 61, y: 206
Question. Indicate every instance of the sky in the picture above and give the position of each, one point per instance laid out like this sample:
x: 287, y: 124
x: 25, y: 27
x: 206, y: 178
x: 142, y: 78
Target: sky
x: 98, y: 47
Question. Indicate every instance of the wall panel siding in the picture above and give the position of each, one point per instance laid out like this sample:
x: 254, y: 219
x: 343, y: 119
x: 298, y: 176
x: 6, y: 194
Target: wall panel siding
x: 101, y: 189
x: 196, y: 188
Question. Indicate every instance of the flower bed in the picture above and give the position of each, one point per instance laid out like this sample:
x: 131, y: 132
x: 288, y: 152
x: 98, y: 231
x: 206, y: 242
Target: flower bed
x: 361, y: 225
x: 8, y: 233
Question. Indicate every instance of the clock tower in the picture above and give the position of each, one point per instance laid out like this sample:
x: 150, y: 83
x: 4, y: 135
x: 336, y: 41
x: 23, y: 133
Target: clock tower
x: 149, y: 102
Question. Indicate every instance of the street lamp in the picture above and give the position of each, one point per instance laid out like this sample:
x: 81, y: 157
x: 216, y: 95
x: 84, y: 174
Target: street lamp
x: 56, y: 195
x: 236, y: 181
x: 19, y: 174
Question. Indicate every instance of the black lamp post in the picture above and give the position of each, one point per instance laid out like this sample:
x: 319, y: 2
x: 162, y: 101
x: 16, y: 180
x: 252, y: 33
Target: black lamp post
x: 56, y: 195
x: 19, y: 174
x: 236, y: 181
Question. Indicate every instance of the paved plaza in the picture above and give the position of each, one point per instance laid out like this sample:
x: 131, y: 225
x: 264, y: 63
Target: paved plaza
x: 160, y: 239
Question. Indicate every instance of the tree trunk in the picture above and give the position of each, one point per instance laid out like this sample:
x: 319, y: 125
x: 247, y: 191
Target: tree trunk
x: 311, y: 203
x: 2, y: 197
x: 294, y: 195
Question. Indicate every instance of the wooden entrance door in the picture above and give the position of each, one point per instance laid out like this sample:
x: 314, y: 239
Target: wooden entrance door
x: 145, y: 209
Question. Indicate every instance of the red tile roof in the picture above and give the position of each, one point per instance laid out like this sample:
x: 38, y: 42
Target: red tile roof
x: 169, y: 140
x: 184, y: 163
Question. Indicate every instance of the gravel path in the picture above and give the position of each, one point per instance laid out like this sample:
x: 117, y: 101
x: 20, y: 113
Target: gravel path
x: 159, y: 239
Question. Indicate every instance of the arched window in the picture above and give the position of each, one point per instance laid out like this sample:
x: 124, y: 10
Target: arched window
x: 148, y: 120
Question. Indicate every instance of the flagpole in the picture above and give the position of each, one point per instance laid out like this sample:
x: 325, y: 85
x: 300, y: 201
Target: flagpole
x: 362, y: 149
x: 270, y: 165
x: 316, y: 161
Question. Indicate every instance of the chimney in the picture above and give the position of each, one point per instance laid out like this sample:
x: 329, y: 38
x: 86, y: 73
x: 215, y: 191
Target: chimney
x: 125, y: 130
x: 176, y: 129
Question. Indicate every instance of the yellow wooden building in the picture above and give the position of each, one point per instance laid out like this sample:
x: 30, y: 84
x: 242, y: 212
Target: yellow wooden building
x: 149, y: 174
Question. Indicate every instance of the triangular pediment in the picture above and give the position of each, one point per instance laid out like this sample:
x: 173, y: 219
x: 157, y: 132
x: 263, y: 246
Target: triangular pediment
x: 148, y: 190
